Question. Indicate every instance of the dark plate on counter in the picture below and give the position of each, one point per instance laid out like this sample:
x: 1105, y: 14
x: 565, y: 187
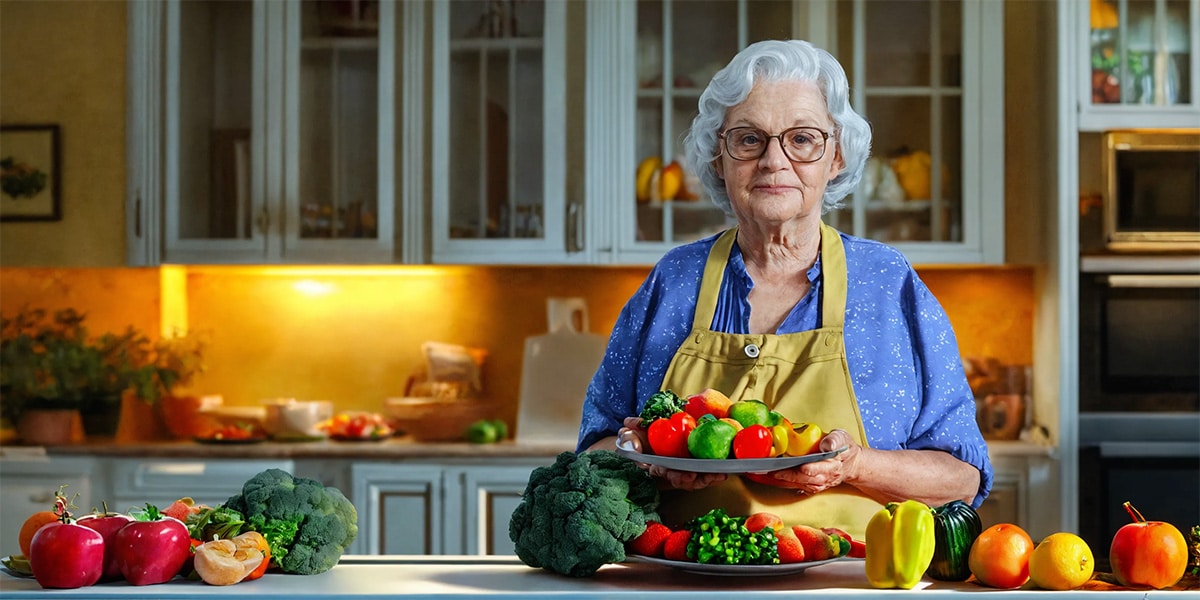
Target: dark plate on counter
x: 736, y: 570
x: 231, y: 441
x: 347, y: 438
x: 729, y: 465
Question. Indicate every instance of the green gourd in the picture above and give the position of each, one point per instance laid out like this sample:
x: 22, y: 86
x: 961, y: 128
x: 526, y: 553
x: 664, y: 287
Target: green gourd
x: 955, y: 527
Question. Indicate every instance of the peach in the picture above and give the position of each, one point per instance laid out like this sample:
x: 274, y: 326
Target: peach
x: 790, y: 548
x: 760, y: 520
x: 818, y: 545
x: 709, y: 402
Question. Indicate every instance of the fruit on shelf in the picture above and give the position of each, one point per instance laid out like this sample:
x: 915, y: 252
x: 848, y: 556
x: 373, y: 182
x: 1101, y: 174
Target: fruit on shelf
x: 647, y: 172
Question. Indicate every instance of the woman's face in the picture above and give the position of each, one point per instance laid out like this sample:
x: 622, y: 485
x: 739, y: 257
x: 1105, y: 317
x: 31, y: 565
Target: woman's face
x: 773, y: 189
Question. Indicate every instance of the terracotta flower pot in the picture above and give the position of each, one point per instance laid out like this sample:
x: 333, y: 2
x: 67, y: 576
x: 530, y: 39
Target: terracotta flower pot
x: 50, y: 427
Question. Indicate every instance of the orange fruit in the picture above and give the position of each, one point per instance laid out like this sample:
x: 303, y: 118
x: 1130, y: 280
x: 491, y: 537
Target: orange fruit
x: 1000, y: 556
x: 1062, y: 561
x: 31, y: 526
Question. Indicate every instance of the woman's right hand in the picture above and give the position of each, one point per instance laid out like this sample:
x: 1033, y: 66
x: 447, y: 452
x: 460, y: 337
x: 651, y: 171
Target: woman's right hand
x: 633, y: 435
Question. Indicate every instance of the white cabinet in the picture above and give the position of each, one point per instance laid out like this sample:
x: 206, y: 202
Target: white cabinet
x: 934, y: 84
x: 264, y: 132
x: 399, y: 508
x: 480, y: 501
x: 499, y: 133
x: 28, y: 484
x: 444, y: 507
x: 135, y: 482
x: 1135, y: 63
x: 1025, y: 489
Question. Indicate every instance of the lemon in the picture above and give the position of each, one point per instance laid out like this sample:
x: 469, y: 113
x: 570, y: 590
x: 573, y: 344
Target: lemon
x: 1062, y: 561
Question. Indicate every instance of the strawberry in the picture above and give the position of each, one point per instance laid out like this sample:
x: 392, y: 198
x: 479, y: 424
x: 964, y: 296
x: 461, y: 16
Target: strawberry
x: 676, y: 545
x: 790, y: 549
x: 650, y: 543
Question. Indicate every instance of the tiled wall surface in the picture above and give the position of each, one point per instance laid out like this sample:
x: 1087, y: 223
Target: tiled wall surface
x: 353, y: 335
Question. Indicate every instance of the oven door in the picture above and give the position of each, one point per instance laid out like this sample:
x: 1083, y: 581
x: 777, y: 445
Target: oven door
x: 1139, y: 342
x: 1150, y: 461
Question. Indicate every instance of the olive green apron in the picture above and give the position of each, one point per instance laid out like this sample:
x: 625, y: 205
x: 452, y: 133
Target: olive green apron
x: 802, y: 375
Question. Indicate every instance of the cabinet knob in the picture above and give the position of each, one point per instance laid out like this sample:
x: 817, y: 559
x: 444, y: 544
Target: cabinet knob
x: 43, y: 498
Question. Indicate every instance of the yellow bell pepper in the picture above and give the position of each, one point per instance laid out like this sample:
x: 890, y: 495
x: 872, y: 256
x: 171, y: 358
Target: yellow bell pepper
x: 900, y: 544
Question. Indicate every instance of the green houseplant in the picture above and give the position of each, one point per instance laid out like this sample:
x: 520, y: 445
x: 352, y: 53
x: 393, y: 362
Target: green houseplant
x: 53, y: 362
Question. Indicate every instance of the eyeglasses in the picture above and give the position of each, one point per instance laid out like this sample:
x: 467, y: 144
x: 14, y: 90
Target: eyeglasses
x: 800, y: 144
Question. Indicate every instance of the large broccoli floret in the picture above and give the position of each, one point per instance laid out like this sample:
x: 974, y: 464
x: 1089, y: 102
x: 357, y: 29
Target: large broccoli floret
x: 307, y: 525
x: 576, y: 514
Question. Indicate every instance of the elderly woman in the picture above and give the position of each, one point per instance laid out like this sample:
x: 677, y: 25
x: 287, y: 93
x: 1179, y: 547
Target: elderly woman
x: 823, y: 327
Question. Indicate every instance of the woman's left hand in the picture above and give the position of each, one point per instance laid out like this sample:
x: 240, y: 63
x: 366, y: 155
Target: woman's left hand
x: 816, y: 477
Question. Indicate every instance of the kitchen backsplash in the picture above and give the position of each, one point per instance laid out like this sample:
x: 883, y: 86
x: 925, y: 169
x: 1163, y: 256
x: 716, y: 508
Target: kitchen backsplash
x: 353, y: 335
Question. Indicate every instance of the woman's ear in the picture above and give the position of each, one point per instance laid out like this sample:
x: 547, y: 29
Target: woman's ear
x: 838, y: 164
x: 719, y: 167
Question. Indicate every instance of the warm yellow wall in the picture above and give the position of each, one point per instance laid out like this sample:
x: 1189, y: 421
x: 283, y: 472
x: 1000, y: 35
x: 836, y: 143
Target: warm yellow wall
x: 353, y: 335
x: 64, y: 63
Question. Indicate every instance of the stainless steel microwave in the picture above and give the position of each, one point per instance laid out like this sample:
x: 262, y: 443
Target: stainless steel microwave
x: 1153, y: 190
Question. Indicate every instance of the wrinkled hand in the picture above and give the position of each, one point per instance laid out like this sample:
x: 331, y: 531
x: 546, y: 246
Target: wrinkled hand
x: 816, y: 477
x: 633, y: 435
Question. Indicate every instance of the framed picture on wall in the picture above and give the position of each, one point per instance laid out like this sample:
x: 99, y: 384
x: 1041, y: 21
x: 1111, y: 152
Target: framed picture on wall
x: 29, y: 173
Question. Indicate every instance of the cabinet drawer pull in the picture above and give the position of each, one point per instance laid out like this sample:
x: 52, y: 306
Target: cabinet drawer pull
x: 43, y: 498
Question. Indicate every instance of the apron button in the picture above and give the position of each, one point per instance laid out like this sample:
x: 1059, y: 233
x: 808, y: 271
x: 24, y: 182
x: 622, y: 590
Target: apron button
x: 828, y: 340
x: 752, y: 350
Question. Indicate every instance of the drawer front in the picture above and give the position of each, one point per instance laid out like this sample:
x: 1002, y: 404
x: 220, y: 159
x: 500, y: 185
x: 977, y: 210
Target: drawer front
x: 161, y: 482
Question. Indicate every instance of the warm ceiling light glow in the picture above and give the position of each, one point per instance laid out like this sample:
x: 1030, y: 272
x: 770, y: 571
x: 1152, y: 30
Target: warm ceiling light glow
x: 311, y: 287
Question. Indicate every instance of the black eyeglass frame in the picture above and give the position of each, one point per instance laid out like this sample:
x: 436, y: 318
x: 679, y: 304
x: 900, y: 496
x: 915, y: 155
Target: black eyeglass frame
x: 824, y: 143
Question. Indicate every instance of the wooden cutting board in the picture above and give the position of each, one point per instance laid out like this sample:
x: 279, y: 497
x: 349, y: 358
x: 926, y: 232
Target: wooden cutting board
x: 554, y: 377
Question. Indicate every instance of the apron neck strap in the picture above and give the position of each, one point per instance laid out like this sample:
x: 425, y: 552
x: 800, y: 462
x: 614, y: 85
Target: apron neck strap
x: 714, y: 275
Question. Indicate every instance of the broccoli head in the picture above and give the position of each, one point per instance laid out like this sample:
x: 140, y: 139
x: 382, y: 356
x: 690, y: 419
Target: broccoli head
x: 576, y: 514
x: 661, y: 405
x: 307, y: 525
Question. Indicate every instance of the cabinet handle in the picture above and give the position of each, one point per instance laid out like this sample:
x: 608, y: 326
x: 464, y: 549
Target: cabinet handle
x: 575, y: 230
x: 137, y: 213
x: 263, y: 220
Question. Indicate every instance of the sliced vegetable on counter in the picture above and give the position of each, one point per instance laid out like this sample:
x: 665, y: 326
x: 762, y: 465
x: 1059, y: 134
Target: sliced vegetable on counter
x: 229, y: 561
x: 718, y: 538
x: 577, y: 514
x: 900, y: 544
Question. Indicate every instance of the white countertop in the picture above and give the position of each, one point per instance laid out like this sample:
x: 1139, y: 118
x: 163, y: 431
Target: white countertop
x: 443, y: 577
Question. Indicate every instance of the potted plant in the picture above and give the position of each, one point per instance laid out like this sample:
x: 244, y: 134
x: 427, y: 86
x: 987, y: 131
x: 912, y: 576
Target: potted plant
x: 52, y: 362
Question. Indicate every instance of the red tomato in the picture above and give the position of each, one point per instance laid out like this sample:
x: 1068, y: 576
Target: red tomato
x: 152, y: 551
x: 66, y: 555
x: 108, y: 524
x: 668, y: 437
x: 754, y: 441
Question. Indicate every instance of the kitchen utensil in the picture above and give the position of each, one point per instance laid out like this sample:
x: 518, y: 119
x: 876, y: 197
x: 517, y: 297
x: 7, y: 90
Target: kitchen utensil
x: 288, y: 418
x: 555, y: 375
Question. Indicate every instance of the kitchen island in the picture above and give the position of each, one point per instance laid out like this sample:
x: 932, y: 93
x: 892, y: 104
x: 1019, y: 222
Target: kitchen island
x: 443, y: 577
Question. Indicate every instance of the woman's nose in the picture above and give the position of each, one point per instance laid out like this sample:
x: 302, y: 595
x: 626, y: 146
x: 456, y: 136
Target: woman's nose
x: 773, y: 157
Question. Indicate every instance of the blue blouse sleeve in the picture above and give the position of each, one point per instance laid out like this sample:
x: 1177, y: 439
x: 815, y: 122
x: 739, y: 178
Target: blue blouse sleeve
x: 946, y: 420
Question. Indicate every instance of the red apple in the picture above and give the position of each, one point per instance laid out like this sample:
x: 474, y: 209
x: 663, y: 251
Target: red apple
x: 1147, y: 553
x: 108, y: 524
x: 66, y: 555
x: 153, y: 550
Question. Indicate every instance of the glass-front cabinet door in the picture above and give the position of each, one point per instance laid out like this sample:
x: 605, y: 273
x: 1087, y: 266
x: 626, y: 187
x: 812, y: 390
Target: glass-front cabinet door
x: 929, y: 78
x: 1138, y: 64
x: 498, y: 133
x: 276, y: 142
